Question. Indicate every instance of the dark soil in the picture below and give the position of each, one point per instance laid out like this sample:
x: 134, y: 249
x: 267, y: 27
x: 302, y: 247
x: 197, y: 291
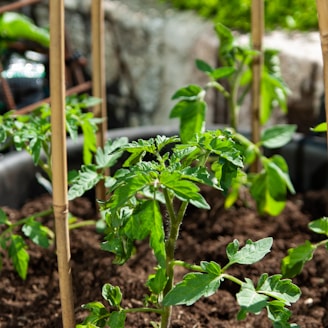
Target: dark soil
x: 204, y: 236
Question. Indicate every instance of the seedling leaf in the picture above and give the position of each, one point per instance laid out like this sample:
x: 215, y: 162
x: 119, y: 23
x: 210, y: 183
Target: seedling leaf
x: 278, y: 135
x: 112, y: 294
x: 192, y: 288
x: 36, y: 232
x: 320, y: 226
x: 293, y: 263
x: 18, y: 254
x: 117, y: 319
x: 251, y: 253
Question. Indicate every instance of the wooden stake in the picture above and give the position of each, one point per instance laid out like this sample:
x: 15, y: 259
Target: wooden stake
x: 59, y: 159
x: 322, y: 8
x: 99, y: 80
x: 257, y: 36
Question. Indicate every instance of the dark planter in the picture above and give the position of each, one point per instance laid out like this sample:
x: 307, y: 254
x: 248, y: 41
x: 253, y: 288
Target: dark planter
x: 306, y: 157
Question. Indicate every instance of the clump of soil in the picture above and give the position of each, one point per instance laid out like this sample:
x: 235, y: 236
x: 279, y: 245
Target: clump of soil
x: 204, y: 236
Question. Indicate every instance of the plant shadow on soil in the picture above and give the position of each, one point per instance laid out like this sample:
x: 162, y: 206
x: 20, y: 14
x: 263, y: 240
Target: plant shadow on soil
x: 204, y: 236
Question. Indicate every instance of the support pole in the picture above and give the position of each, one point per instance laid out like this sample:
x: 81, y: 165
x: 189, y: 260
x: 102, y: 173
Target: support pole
x: 322, y: 8
x: 257, y: 37
x: 59, y: 159
x: 98, y: 79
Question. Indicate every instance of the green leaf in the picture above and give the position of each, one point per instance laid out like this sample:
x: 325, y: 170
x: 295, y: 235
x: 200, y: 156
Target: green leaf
x: 203, y: 66
x: 185, y: 190
x: 189, y: 92
x: 249, y: 299
x: 4, y: 218
x: 98, y: 316
x: 18, y: 254
x: 192, y: 288
x: 36, y: 232
x: 320, y: 226
x: 157, y: 234
x: 322, y: 127
x: 192, y: 117
x: 293, y: 263
x: 117, y: 319
x: 156, y: 282
x: 131, y: 185
x: 251, y: 253
x: 278, y: 135
x: 211, y: 267
x: 226, y: 38
x: 282, y: 290
x: 222, y: 72
x: 86, y: 179
x: 112, y: 294
x: 108, y: 156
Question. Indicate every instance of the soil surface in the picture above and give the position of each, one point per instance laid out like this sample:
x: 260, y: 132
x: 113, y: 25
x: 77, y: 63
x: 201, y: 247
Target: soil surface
x: 204, y: 236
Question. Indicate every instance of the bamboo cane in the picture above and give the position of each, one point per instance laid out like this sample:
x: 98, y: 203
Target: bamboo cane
x: 322, y: 8
x: 257, y: 36
x: 59, y: 159
x: 98, y: 80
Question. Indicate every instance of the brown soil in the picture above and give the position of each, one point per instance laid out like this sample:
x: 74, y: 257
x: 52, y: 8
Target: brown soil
x: 204, y: 236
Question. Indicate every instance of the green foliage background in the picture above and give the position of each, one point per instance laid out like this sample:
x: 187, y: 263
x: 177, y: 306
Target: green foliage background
x: 286, y: 14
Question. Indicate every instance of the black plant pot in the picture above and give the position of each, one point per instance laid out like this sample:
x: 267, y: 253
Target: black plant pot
x: 306, y: 157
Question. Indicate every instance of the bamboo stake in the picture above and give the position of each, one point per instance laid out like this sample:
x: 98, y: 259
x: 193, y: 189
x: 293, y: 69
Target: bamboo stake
x: 257, y: 36
x: 98, y: 80
x: 59, y: 159
x: 322, y: 8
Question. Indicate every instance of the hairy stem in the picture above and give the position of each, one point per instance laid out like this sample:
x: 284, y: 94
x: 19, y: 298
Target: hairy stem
x: 175, y: 222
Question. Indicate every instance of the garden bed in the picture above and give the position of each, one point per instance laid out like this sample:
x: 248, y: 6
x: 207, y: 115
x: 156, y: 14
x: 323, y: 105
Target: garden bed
x: 204, y: 236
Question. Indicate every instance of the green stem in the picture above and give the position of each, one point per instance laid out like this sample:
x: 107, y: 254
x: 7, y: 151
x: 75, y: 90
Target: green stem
x: 232, y: 278
x: 192, y: 267
x: 170, y: 244
x: 137, y: 310
x: 82, y: 224
x: 12, y: 226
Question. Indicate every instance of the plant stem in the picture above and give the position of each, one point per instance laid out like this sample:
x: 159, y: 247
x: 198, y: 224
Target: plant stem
x: 175, y: 222
x: 12, y: 226
x: 82, y: 224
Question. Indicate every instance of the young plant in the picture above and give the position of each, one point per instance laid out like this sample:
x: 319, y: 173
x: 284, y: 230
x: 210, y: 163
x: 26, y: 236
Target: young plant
x: 32, y: 133
x: 293, y: 263
x: 235, y: 70
x: 160, y: 178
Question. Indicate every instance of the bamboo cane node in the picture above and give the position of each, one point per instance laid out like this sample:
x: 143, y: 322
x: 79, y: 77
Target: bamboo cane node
x: 60, y: 210
x: 324, y: 42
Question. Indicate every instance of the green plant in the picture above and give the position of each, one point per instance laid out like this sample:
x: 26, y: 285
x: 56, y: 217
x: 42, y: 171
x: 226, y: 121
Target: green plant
x: 293, y: 263
x: 235, y: 70
x: 281, y: 14
x: 158, y: 180
x: 32, y: 133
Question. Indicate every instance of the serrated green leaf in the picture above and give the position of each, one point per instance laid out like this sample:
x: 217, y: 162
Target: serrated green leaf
x: 112, y: 294
x: 211, y: 267
x: 131, y: 185
x: 251, y: 253
x: 98, y: 316
x: 293, y: 263
x: 185, y: 190
x: 117, y: 319
x: 36, y: 232
x: 282, y: 290
x: 18, y: 254
x: 278, y: 135
x: 87, y: 178
x: 192, y: 288
x: 249, y: 299
x: 320, y: 226
x: 157, y: 234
